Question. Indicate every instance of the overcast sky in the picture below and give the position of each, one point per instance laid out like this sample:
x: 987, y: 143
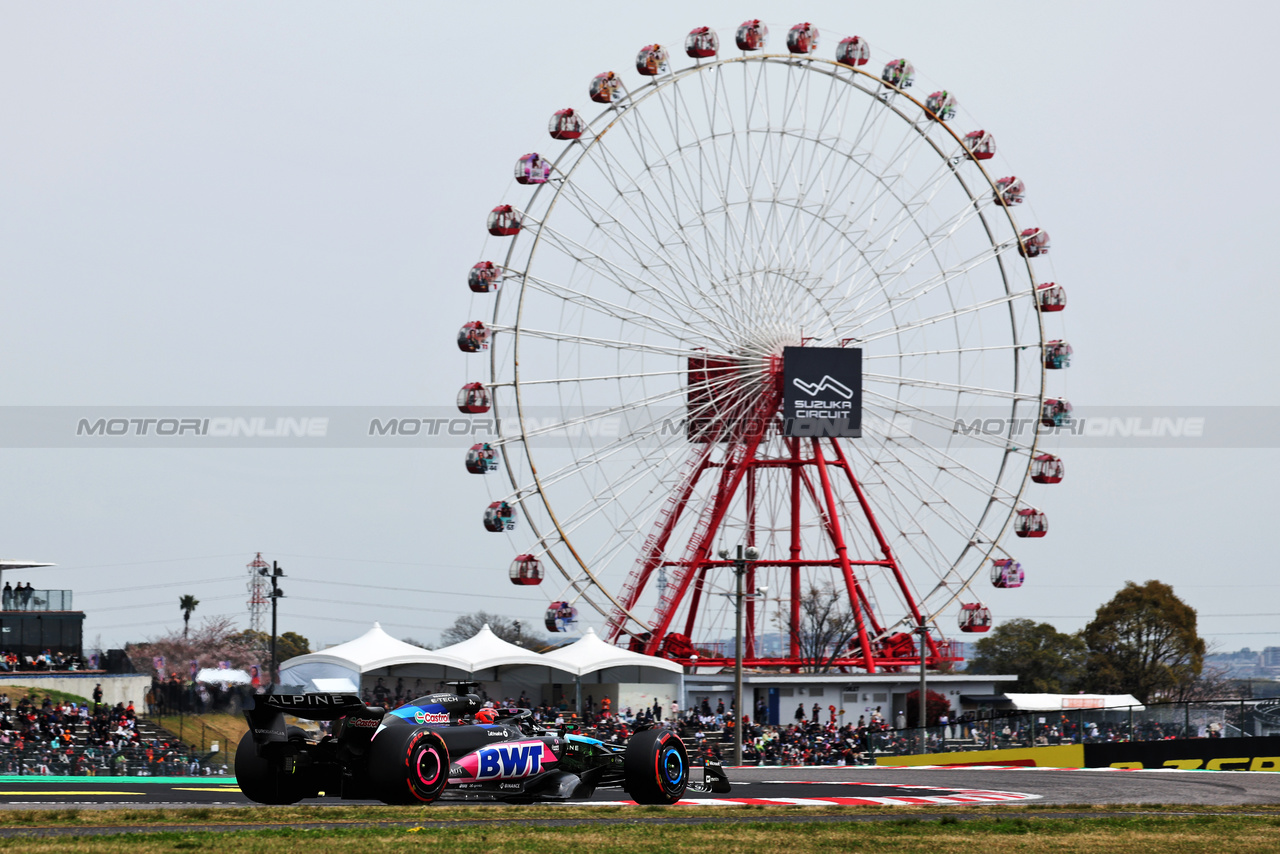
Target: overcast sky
x: 275, y: 204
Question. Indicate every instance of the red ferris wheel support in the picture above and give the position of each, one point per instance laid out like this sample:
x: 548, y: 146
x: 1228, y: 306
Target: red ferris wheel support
x: 807, y: 470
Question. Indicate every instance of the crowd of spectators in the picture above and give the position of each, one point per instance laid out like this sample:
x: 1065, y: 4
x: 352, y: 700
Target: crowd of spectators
x: 46, y: 660
x: 82, y: 739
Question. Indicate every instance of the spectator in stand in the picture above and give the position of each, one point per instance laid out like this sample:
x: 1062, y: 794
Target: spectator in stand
x: 26, y: 593
x: 6, y: 598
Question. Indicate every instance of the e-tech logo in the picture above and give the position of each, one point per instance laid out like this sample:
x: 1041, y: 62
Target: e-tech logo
x: 508, y: 761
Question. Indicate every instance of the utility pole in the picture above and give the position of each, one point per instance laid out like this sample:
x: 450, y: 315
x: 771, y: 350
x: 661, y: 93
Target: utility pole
x: 277, y: 572
x: 743, y: 555
x: 923, y: 629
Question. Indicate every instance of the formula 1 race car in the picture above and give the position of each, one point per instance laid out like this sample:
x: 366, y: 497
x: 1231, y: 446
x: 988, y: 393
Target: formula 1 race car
x: 447, y: 743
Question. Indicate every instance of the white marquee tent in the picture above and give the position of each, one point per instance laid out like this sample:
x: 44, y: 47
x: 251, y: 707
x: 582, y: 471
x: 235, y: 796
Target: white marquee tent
x: 486, y: 650
x: 590, y: 654
x: 485, y: 658
x: 340, y: 667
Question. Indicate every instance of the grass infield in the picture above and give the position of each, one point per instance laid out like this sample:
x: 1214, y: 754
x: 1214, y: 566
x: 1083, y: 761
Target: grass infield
x: 627, y: 830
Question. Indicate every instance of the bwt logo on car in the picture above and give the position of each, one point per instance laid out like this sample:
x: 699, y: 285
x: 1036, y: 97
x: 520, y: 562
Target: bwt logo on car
x: 506, y: 761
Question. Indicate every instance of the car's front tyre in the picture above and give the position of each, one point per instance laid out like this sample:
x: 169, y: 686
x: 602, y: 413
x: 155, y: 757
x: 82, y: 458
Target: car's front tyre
x: 655, y: 767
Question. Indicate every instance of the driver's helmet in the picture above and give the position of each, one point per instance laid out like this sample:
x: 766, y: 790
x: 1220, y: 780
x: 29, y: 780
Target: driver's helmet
x: 486, y: 716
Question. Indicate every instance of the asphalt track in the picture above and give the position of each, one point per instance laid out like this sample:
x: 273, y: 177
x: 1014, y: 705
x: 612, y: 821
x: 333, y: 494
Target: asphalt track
x: 849, y: 786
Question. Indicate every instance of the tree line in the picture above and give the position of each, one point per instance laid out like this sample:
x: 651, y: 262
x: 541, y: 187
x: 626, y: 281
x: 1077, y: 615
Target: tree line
x: 1143, y: 642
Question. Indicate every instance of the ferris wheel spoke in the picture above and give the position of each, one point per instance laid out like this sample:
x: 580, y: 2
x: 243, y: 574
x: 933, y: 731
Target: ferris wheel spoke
x: 897, y: 267
x: 885, y: 187
x: 628, y: 241
x: 688, y: 186
x: 958, y: 350
x: 917, y: 382
x: 916, y: 489
x: 640, y: 288
x: 901, y: 515
x: 924, y: 289
x: 887, y: 269
x: 937, y: 419
x: 573, y: 423
x: 811, y: 172
x: 634, y: 439
x: 565, y: 381
x: 605, y: 308
x: 610, y: 166
x: 935, y: 458
x: 591, y: 341
x: 595, y: 505
x: 862, y: 241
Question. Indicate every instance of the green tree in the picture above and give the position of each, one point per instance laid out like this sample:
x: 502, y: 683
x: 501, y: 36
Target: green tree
x: 288, y: 645
x: 188, y: 604
x: 1143, y: 642
x: 1045, y: 660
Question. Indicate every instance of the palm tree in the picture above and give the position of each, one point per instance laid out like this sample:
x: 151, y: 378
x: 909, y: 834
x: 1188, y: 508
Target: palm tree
x: 188, y: 604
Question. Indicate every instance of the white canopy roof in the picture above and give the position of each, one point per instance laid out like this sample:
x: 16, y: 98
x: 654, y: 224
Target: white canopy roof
x: 486, y: 650
x: 1058, y: 702
x: 373, y: 649
x: 591, y: 654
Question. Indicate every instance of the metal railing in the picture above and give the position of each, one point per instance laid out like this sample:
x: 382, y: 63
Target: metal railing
x: 39, y: 759
x: 38, y: 600
x: 1225, y: 718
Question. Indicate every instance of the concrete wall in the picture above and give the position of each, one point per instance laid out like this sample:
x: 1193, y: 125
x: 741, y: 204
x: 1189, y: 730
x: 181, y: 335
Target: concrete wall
x: 115, y: 688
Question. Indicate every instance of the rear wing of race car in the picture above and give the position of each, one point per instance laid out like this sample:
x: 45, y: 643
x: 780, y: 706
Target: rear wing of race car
x: 266, y: 712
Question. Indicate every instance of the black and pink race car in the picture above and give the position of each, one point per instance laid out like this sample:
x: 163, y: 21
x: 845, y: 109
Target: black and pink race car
x: 449, y: 745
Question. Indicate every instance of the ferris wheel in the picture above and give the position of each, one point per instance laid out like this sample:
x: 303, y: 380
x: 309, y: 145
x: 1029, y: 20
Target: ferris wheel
x: 766, y: 298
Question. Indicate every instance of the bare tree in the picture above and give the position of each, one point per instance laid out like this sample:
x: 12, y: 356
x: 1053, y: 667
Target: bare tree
x: 467, y: 625
x: 826, y: 628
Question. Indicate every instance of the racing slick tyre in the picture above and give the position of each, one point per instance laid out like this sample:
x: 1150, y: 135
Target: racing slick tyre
x: 655, y: 767
x: 408, y: 765
x: 265, y: 781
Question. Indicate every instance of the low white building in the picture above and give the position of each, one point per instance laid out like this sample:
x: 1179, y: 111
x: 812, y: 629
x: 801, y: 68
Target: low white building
x: 779, y: 695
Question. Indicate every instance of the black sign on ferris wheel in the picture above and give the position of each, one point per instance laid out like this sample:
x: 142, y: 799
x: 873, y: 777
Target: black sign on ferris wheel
x: 822, y: 391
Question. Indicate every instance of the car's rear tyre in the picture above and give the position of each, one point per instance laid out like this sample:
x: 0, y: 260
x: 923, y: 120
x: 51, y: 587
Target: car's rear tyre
x: 408, y: 765
x: 655, y: 767
x: 266, y: 781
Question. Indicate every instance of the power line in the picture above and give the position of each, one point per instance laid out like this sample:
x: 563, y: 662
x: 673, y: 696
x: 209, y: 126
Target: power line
x: 219, y: 579
x: 137, y: 562
x: 387, y: 562
x: 364, y: 586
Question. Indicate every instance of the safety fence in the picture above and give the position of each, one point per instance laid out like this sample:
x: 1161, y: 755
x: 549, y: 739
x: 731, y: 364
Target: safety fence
x: 1225, y: 718
x: 44, y: 759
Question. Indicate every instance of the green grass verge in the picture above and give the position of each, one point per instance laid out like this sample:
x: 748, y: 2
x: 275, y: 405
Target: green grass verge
x: 989, y: 834
x: 499, y: 814
x: 37, y: 695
